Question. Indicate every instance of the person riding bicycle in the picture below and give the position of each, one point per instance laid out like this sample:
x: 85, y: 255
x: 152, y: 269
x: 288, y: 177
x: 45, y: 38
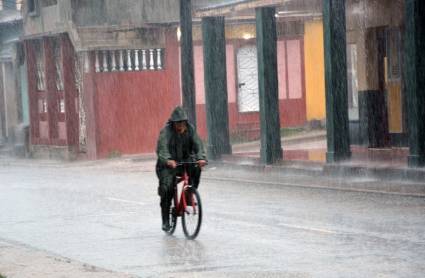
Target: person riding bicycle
x: 177, y: 142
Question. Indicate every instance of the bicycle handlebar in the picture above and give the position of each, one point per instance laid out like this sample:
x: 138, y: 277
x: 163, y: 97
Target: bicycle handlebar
x: 180, y: 163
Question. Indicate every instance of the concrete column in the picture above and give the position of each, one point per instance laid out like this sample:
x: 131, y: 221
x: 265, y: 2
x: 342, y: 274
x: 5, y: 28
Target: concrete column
x: 215, y: 81
x: 271, y: 150
x: 187, y: 67
x: 3, y: 128
x: 338, y: 139
x: 415, y: 79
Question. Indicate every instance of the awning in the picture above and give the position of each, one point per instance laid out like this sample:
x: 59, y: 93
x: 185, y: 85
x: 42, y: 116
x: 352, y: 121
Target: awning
x: 223, y: 7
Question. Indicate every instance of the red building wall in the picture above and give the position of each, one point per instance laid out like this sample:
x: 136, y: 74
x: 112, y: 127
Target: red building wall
x: 126, y: 110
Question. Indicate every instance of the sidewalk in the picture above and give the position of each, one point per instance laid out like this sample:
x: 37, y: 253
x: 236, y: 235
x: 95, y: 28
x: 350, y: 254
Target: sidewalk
x: 20, y: 261
x: 306, y: 154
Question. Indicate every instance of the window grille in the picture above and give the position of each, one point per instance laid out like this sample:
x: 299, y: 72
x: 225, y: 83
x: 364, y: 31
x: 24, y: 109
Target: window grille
x: 62, y: 105
x: 393, y: 54
x: 58, y: 63
x: 40, y: 67
x: 10, y: 5
x: 32, y: 7
x: 46, y: 3
x: 42, y: 105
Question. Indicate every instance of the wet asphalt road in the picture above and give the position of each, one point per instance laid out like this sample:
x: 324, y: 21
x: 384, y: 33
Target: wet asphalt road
x: 110, y: 218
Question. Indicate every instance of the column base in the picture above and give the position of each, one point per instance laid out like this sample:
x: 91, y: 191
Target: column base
x: 416, y: 161
x: 271, y: 156
x: 332, y: 157
x: 214, y: 152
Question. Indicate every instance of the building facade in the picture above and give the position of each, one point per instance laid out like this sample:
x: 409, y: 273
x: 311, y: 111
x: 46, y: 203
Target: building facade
x: 299, y: 57
x: 14, y: 116
x: 369, y: 46
x: 102, y: 75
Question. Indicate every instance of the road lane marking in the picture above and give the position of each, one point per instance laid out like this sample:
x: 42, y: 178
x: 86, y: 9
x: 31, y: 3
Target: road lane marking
x: 324, y: 231
x: 125, y: 201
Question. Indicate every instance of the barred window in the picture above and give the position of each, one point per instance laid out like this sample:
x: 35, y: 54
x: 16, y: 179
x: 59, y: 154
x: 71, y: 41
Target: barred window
x: 18, y: 5
x: 46, y: 3
x: 40, y: 66
x: 393, y: 54
x: 58, y: 63
x: 32, y: 7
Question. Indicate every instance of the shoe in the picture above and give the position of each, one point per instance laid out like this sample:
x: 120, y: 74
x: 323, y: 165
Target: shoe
x: 165, y: 219
x: 166, y: 227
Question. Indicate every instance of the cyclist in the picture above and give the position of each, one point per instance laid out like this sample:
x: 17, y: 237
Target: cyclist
x: 177, y: 142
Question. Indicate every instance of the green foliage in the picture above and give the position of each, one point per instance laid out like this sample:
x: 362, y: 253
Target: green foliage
x: 241, y: 137
x: 2, y: 276
x: 290, y: 131
x: 113, y: 154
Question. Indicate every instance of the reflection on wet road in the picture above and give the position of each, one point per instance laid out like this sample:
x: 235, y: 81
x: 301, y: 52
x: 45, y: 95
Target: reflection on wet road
x: 111, y: 219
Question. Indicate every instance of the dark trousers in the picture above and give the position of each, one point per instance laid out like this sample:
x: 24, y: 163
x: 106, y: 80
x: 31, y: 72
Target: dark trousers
x: 167, y: 178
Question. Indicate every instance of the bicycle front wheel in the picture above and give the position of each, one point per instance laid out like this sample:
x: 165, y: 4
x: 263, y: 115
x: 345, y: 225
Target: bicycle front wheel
x: 192, y: 217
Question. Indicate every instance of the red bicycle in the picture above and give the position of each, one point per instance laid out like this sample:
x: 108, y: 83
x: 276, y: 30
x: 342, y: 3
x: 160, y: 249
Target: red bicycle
x: 186, y: 205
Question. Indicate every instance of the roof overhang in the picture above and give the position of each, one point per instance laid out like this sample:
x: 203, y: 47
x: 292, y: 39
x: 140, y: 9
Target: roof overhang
x: 231, y: 7
x: 244, y: 10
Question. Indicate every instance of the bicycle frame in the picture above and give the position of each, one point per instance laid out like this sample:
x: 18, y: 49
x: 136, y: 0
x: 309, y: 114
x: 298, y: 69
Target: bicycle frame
x: 191, y: 218
x: 181, y: 203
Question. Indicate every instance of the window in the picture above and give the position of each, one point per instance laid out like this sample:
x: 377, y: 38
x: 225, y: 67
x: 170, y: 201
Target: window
x: 352, y: 75
x: 19, y: 5
x: 352, y: 82
x: 62, y: 105
x: 58, y: 63
x: 46, y: 3
x: 40, y: 68
x: 42, y: 105
x: 33, y: 7
x: 10, y: 5
x: 393, y: 53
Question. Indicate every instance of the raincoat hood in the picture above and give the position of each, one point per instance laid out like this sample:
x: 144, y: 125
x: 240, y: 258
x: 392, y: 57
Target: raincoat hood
x: 178, y: 115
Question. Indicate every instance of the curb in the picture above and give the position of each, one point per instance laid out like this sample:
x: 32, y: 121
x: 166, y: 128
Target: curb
x: 399, y: 181
x: 333, y: 169
x: 381, y: 173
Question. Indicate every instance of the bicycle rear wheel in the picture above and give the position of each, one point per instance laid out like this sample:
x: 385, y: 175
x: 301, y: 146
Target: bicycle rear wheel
x: 192, y: 217
x: 173, y: 219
